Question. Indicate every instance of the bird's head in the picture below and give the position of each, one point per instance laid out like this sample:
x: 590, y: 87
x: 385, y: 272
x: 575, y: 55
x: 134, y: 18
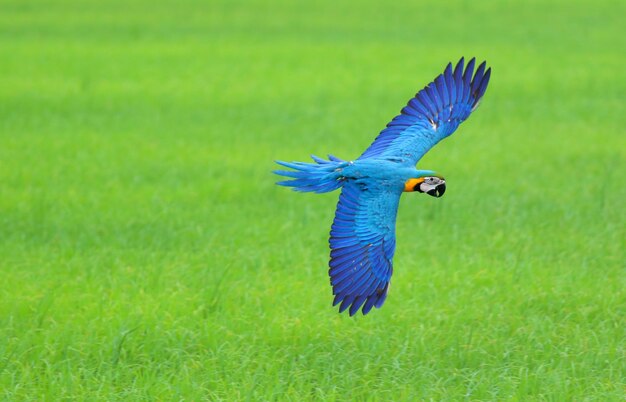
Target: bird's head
x: 432, y: 185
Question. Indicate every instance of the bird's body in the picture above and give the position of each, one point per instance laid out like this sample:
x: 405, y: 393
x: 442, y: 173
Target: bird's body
x: 362, y: 236
x: 389, y: 170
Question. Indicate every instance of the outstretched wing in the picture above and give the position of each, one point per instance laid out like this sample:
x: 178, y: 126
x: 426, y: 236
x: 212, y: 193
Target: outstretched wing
x: 433, y: 114
x: 362, y: 242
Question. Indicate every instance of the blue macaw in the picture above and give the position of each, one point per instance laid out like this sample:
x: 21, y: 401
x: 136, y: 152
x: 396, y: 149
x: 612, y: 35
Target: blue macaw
x: 362, y: 236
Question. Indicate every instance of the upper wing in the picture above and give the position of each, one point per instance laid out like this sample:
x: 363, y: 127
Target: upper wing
x: 362, y: 242
x: 433, y: 114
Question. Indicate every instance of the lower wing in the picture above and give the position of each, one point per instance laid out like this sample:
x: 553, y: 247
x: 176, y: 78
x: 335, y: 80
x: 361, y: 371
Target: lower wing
x: 362, y: 242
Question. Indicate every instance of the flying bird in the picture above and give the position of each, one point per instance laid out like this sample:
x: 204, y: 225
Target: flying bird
x: 362, y: 236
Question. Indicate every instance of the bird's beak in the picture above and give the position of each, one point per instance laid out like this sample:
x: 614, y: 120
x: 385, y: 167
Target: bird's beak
x: 438, y: 191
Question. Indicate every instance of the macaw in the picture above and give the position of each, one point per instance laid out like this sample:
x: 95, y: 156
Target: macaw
x: 362, y: 236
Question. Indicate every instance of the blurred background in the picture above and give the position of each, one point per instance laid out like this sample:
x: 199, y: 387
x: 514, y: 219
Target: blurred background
x: 146, y: 253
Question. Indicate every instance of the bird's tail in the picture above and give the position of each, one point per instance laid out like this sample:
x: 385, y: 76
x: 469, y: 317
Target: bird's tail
x: 320, y: 177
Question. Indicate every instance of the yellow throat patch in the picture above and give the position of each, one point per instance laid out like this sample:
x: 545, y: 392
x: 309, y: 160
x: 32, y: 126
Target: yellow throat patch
x: 410, y: 184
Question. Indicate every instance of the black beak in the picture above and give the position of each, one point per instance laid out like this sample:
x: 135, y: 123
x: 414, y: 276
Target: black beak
x: 441, y: 189
x: 438, y: 191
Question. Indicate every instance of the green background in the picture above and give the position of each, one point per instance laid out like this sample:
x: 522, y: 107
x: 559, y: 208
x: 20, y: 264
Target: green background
x: 145, y: 252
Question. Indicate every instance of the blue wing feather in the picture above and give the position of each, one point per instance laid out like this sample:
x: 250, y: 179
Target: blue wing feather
x: 433, y: 114
x: 450, y: 85
x: 369, y: 304
x: 362, y: 242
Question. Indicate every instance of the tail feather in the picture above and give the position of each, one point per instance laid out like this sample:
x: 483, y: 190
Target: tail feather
x: 319, y: 177
x: 334, y: 158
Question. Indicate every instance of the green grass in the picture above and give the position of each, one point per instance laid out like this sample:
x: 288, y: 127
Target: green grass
x: 145, y: 252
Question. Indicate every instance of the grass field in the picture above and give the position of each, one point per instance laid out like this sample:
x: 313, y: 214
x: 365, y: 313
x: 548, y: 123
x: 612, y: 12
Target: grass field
x: 146, y: 253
